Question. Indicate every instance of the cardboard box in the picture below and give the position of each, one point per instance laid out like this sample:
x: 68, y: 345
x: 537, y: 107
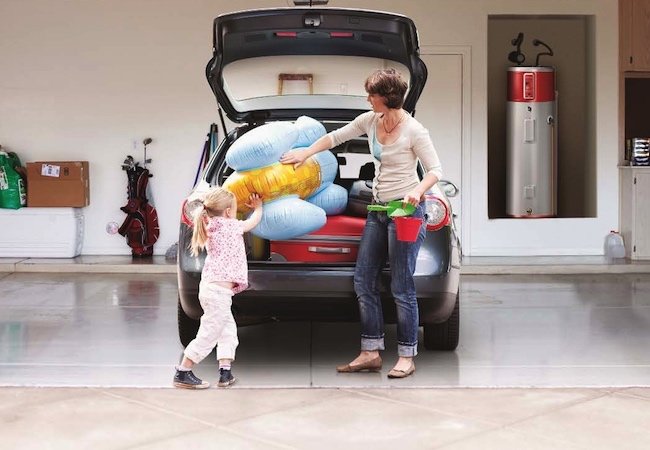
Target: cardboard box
x: 58, y: 183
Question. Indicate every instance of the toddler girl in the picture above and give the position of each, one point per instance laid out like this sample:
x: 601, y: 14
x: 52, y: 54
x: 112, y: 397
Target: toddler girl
x: 225, y: 273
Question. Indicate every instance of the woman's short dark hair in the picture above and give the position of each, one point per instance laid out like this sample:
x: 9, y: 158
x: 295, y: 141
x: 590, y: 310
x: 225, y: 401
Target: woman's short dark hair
x: 389, y: 84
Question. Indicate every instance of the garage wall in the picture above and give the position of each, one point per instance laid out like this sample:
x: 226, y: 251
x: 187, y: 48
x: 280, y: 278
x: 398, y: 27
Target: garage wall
x: 91, y: 79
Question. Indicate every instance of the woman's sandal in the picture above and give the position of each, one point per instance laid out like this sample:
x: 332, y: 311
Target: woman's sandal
x: 374, y: 365
x: 398, y: 373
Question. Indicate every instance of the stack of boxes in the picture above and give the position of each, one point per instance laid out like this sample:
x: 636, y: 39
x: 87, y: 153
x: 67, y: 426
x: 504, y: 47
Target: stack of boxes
x: 52, y: 224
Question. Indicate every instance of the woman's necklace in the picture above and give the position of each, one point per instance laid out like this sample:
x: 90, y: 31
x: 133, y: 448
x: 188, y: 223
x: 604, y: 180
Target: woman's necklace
x: 394, y: 126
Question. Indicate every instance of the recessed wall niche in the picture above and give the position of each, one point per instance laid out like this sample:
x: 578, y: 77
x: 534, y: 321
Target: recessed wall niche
x: 637, y: 99
x: 571, y: 37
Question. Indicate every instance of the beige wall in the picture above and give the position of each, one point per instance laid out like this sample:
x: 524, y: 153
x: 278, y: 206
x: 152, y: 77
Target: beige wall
x: 85, y: 79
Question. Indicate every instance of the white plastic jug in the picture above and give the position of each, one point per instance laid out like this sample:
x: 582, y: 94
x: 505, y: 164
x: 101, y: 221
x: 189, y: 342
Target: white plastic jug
x: 614, y: 245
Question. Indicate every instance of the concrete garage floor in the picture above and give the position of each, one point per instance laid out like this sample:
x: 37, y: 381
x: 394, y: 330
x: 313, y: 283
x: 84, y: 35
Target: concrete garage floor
x: 545, y: 361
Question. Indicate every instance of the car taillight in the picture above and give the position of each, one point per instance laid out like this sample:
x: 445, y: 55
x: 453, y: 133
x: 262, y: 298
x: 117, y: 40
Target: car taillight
x: 187, y: 211
x: 437, y: 213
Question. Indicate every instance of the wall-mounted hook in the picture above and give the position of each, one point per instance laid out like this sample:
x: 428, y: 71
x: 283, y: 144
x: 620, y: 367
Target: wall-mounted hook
x: 516, y: 56
x: 549, y: 52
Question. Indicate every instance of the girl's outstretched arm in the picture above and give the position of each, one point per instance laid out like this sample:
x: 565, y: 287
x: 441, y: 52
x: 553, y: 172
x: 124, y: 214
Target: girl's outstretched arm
x: 255, y: 202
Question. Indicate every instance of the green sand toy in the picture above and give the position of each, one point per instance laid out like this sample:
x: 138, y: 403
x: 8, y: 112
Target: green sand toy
x: 394, y: 208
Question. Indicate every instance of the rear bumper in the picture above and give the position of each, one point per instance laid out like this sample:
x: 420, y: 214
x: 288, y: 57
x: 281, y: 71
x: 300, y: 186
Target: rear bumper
x: 326, y: 293
x: 323, y: 295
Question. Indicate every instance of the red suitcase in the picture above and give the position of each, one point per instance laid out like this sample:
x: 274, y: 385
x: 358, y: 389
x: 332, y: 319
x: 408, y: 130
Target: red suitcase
x: 337, y: 241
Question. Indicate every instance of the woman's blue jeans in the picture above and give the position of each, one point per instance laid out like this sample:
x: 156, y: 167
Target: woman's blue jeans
x: 378, y: 243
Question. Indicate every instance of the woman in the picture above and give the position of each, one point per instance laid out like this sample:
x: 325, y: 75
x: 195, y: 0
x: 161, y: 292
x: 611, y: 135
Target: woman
x: 396, y: 141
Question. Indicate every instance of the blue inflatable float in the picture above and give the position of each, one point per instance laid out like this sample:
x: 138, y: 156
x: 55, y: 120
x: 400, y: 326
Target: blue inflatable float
x: 296, y: 201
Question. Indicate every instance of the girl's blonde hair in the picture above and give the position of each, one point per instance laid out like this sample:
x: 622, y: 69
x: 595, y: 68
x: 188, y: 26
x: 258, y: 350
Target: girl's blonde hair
x: 214, y: 203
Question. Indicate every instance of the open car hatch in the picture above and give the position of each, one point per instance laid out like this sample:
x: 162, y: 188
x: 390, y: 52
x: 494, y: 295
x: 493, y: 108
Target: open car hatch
x: 274, y: 64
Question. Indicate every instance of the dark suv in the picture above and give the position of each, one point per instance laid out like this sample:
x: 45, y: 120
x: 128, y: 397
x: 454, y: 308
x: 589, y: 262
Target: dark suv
x: 280, y: 64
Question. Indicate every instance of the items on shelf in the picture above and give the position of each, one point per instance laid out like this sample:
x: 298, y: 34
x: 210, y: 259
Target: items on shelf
x: 12, y: 184
x: 638, y: 151
x: 58, y: 184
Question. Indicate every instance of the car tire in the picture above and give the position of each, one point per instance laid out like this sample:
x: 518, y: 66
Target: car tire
x: 444, y: 336
x: 187, y: 327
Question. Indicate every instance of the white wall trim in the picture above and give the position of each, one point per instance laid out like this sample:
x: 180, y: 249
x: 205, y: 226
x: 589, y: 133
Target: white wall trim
x: 465, y: 52
x: 528, y: 251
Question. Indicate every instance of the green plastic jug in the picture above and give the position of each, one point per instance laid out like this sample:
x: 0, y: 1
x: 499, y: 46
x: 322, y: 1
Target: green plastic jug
x: 12, y: 186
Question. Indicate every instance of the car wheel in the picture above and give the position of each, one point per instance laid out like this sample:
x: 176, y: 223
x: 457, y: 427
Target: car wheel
x: 187, y: 327
x: 444, y: 336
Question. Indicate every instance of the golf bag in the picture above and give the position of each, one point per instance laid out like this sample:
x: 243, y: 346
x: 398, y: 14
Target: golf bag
x: 141, y: 224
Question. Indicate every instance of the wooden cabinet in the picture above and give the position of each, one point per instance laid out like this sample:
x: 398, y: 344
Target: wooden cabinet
x: 634, y: 182
x: 635, y: 211
x: 634, y: 35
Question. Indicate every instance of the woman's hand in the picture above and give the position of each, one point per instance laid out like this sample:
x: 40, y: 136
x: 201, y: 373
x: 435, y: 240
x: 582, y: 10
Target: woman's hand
x: 298, y: 157
x: 254, y: 201
x: 295, y: 157
x: 412, y: 198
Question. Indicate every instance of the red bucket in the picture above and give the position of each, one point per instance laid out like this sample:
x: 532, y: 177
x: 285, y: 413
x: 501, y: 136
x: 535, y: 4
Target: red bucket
x: 408, y: 228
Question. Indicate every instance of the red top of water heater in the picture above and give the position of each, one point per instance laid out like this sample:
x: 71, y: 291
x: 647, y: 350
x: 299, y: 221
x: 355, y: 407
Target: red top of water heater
x: 531, y: 84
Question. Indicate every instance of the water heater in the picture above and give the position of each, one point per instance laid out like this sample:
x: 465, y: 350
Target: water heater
x: 531, y: 143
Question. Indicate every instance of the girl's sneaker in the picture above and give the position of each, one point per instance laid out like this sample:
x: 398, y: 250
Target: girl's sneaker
x: 187, y: 380
x: 225, y: 378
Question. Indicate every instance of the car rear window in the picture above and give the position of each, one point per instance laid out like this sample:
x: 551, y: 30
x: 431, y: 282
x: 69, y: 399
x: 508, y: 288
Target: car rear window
x: 303, y: 81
